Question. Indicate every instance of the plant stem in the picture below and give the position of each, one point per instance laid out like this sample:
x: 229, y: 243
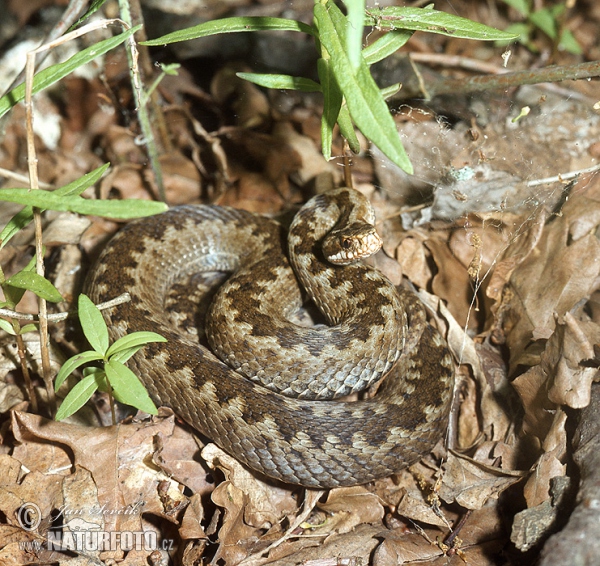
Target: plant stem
x: 37, y: 217
x: 141, y: 108
x: 431, y: 88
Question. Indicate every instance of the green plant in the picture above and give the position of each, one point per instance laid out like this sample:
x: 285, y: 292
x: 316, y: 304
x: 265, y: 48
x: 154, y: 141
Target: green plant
x: 67, y: 198
x: 114, y: 377
x: 547, y: 20
x: 350, y: 95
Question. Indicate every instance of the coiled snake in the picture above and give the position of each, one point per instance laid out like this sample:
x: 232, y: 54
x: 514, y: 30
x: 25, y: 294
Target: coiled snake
x: 371, y: 327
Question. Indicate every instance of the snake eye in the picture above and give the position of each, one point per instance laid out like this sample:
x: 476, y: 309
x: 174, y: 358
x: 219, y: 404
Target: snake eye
x: 346, y: 243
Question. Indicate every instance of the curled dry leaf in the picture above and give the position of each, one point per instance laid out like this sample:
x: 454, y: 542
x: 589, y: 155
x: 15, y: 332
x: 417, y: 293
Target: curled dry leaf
x: 349, y: 507
x: 265, y: 504
x: 471, y: 484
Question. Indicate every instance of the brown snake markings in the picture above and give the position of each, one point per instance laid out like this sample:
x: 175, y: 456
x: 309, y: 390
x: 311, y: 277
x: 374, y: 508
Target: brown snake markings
x: 315, y: 443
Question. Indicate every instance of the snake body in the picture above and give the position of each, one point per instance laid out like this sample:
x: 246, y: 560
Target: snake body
x: 273, y: 418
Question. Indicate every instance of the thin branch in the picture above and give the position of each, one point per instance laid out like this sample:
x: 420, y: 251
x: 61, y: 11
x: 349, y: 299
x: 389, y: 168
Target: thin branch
x: 563, y: 176
x: 141, y: 107
x: 514, y: 79
x: 20, y: 178
x: 59, y: 316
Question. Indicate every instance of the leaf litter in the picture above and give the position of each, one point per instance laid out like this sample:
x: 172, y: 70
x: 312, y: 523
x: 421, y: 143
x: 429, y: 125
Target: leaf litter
x: 508, y: 270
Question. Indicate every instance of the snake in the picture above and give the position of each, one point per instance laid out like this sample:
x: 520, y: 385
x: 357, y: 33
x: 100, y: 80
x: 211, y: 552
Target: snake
x: 245, y: 372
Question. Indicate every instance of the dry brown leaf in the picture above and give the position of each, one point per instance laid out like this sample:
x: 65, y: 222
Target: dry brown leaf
x: 176, y: 456
x: 181, y: 178
x: 412, y: 257
x: 560, y: 264
x: 471, y: 484
x: 265, y: 504
x: 349, y: 507
x: 451, y: 281
x: 104, y: 452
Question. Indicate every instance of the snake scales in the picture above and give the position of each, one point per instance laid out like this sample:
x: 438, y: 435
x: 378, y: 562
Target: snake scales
x: 371, y: 327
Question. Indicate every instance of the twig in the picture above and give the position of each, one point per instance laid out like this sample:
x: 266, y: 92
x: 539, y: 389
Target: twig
x: 311, y: 498
x: 70, y: 15
x: 141, y: 108
x: 32, y: 163
x: 57, y: 317
x: 514, y: 79
x: 563, y: 176
x: 470, y: 64
x: 20, y: 178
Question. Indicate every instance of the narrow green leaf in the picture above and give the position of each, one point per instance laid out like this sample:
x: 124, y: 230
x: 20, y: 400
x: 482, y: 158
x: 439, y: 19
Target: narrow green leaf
x: 354, y: 30
x: 231, y: 25
x: 123, y: 356
x: 386, y: 45
x: 133, y: 340
x: 127, y: 388
x: 25, y: 216
x: 286, y: 82
x: 367, y: 108
x: 432, y: 21
x: 332, y: 102
x: 521, y: 6
x: 347, y: 130
x: 7, y: 327
x: 544, y: 20
x: 118, y: 209
x: 92, y: 323
x: 77, y: 397
x: 72, y: 364
x: 28, y: 328
x: 94, y: 7
x: 35, y: 283
x: 53, y: 74
x: 569, y: 43
x: 389, y: 91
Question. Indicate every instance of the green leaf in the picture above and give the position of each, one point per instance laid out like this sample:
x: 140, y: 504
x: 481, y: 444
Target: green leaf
x: 521, y: 6
x: 118, y: 209
x: 332, y: 102
x: 385, y: 46
x: 520, y: 30
x: 391, y: 90
x: 78, y: 396
x: 544, y: 20
x: 7, y: 327
x: 286, y: 82
x: 231, y: 25
x: 134, y: 341
x: 354, y: 30
x: 94, y: 7
x: 25, y: 216
x: 53, y: 74
x: 433, y: 21
x: 569, y: 43
x: 28, y: 328
x: 127, y: 388
x: 72, y: 364
x: 93, y: 325
x: 347, y: 130
x: 35, y: 283
x: 365, y: 103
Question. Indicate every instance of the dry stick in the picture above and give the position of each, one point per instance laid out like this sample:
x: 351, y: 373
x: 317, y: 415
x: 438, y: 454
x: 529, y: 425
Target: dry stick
x: 141, y: 106
x: 517, y: 78
x: 26, y: 374
x: 147, y: 71
x: 57, y: 317
x: 34, y: 184
x: 37, y: 219
x: 69, y: 17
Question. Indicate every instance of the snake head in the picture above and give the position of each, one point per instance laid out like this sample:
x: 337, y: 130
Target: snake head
x: 350, y: 244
